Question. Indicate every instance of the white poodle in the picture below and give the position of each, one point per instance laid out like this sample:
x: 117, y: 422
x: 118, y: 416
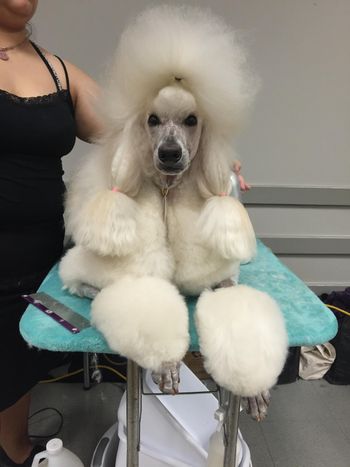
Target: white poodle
x: 150, y: 211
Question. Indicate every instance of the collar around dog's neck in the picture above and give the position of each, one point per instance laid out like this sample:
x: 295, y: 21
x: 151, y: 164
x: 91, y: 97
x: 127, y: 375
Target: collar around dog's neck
x: 167, y: 182
x: 165, y: 186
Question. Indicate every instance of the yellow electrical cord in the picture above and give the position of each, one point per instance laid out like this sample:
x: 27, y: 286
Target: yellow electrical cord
x: 67, y: 375
x: 113, y: 362
x: 113, y: 371
x: 338, y: 309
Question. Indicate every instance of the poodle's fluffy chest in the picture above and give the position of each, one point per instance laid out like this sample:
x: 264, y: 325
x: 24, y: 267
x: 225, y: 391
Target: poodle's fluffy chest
x: 171, y: 244
x: 168, y: 247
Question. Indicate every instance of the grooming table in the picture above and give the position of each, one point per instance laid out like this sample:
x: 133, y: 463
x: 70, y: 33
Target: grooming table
x: 308, y: 321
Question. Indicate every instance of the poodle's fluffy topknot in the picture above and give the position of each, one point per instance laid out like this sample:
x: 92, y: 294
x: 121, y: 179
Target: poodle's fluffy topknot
x: 168, y: 42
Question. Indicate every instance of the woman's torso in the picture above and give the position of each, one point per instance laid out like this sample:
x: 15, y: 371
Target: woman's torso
x: 35, y: 133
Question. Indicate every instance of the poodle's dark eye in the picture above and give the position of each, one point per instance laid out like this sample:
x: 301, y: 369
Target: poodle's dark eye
x: 153, y: 120
x: 191, y: 120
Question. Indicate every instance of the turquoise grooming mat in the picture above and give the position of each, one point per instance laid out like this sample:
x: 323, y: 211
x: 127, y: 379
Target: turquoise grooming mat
x: 308, y: 320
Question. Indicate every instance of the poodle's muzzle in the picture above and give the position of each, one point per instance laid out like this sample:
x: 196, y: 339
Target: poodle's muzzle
x: 170, y: 157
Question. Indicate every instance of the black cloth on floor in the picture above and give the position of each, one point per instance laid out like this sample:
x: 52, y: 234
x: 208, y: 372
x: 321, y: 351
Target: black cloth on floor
x: 339, y: 373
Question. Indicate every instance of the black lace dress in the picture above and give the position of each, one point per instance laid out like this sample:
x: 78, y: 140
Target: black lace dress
x: 35, y: 133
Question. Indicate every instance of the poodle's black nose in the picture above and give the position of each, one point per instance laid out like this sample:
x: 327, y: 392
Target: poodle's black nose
x: 169, y: 153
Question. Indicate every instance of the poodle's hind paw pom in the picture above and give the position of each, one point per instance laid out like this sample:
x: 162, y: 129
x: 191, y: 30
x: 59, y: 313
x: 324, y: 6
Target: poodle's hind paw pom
x: 168, y: 377
x: 257, y: 406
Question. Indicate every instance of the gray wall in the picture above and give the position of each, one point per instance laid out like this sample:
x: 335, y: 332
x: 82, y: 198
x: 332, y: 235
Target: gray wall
x: 299, y: 132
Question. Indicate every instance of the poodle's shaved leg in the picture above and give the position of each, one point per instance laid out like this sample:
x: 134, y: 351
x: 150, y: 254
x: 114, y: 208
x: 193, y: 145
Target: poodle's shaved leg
x: 168, y: 378
x: 257, y: 406
x: 226, y: 283
x: 88, y: 291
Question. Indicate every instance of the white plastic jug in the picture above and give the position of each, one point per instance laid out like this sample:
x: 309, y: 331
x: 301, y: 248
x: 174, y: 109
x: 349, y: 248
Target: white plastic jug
x: 57, y: 456
x: 216, y: 451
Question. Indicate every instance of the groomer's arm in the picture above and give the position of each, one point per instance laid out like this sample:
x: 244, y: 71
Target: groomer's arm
x: 85, y: 93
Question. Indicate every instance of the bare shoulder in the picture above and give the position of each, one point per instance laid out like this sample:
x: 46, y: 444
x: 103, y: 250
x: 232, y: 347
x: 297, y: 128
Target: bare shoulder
x: 80, y: 82
x: 85, y: 93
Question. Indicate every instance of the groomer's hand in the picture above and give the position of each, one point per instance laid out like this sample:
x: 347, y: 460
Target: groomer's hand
x: 237, y: 166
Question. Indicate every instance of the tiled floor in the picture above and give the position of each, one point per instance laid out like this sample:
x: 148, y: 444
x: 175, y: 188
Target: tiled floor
x: 308, y: 423
x: 308, y: 426
x: 87, y: 414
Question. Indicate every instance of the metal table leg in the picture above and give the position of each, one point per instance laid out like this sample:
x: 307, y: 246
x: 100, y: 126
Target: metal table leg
x: 231, y: 430
x: 133, y: 395
x: 86, y: 363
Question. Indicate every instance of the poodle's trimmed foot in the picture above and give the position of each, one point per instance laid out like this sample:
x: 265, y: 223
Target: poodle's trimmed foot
x: 226, y: 283
x: 257, y: 406
x: 88, y: 291
x: 168, y: 377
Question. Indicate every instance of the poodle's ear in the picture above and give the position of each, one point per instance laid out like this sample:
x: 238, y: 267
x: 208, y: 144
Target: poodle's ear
x: 223, y: 224
x: 101, y: 211
x: 212, y: 164
x: 127, y: 160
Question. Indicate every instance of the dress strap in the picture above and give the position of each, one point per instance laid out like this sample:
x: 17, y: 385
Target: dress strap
x: 49, y: 67
x: 70, y: 100
x: 55, y: 75
x: 65, y: 72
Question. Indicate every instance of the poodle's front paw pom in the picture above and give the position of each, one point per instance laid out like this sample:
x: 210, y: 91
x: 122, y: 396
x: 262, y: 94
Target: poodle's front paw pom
x: 257, y: 406
x: 168, y: 377
x: 242, y: 337
x: 144, y: 319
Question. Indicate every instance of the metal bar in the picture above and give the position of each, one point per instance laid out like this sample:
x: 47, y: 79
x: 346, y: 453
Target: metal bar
x: 181, y: 393
x: 308, y: 246
x: 133, y: 395
x: 231, y: 428
x: 184, y: 393
x: 297, y: 196
x: 86, y: 365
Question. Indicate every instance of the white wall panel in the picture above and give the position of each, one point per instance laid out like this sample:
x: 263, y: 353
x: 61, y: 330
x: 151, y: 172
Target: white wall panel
x: 300, y: 221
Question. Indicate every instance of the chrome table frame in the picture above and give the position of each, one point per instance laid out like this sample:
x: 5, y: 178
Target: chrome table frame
x: 133, y: 415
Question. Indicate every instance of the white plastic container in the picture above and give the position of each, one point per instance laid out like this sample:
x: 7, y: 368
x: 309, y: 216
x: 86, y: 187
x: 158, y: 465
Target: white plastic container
x: 175, y: 430
x: 216, y: 452
x: 57, y: 456
x: 235, y: 188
